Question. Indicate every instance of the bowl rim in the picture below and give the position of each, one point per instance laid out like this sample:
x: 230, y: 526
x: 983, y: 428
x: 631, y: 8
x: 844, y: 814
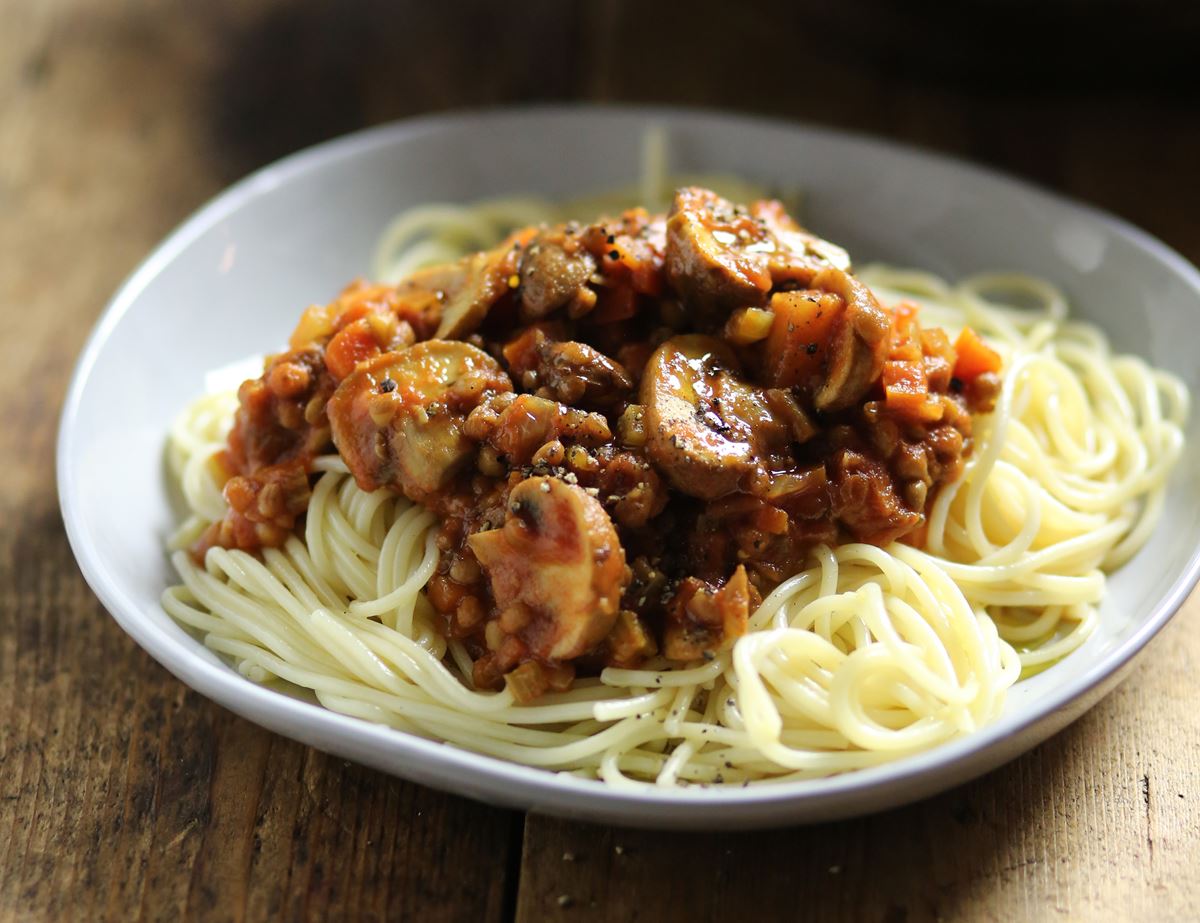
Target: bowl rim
x: 488, y: 777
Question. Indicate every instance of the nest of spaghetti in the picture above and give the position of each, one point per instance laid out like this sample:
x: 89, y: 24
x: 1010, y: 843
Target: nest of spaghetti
x: 629, y: 431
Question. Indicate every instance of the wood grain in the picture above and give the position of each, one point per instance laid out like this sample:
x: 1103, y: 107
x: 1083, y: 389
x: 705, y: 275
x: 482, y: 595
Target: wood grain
x: 124, y: 795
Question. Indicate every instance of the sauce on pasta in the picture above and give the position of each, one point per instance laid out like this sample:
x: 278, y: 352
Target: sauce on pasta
x: 694, y: 504
x: 631, y: 430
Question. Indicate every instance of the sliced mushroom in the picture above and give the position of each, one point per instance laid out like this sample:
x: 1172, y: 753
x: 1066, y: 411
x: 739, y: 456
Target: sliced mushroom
x: 398, y: 420
x: 715, y: 253
x: 558, y: 555
x: 469, y: 288
x: 706, y: 429
x: 540, y: 357
x: 721, y: 256
x: 859, y: 345
x: 581, y: 375
x: 797, y: 255
x: 554, y: 272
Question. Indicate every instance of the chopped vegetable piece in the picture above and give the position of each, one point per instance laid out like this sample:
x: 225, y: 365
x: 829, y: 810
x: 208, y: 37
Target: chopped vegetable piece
x: 974, y: 356
x: 748, y: 325
x: 800, y: 333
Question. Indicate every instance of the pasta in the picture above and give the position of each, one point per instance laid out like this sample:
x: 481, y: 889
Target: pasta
x: 865, y: 655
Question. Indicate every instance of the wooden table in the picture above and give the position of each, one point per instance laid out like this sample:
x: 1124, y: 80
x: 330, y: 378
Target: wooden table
x: 124, y: 795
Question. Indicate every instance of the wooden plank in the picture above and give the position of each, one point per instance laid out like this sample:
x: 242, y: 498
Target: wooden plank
x: 124, y: 795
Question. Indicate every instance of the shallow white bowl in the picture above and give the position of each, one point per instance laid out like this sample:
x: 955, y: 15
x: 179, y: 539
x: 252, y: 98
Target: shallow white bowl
x: 295, y: 232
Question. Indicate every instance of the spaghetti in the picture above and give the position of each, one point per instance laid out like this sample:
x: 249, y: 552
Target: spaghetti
x: 865, y: 655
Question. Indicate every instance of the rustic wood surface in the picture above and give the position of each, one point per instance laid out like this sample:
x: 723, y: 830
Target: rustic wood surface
x: 124, y: 795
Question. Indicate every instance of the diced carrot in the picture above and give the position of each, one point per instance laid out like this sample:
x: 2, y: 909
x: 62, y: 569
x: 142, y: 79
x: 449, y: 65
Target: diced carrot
x: 771, y: 520
x: 905, y: 344
x: 629, y: 260
x: 353, y: 343
x: 350, y: 312
x: 800, y: 334
x: 907, y: 390
x: 904, y: 349
x: 521, y: 350
x: 938, y: 372
x: 934, y: 342
x: 905, y: 377
x: 974, y: 356
x: 906, y: 311
x: 646, y: 276
x: 926, y: 408
x: 613, y: 303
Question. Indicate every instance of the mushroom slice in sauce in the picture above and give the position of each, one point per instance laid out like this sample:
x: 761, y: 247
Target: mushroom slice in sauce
x: 859, y: 345
x: 721, y: 256
x: 797, y: 255
x: 621, y: 390
x: 715, y: 254
x: 554, y: 272
x: 469, y: 288
x: 707, y: 430
x: 398, y: 420
x: 540, y: 357
x: 559, y: 556
x: 830, y: 341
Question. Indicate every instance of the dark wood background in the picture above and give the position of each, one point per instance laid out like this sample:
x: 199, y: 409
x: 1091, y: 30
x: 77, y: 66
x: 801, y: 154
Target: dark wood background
x: 123, y: 795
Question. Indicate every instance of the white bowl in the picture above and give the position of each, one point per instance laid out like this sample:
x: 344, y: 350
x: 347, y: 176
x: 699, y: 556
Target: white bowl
x: 295, y: 232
